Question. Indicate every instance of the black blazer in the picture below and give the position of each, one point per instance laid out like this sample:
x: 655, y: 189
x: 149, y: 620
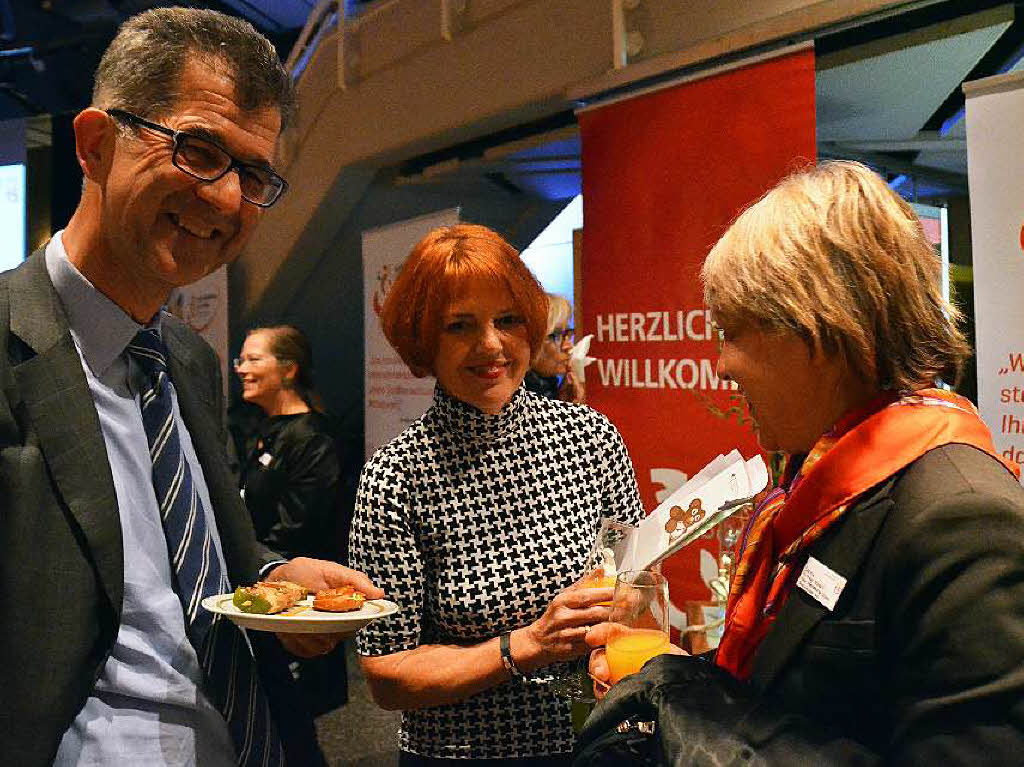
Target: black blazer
x: 293, y: 498
x: 920, y: 663
x: 61, y: 563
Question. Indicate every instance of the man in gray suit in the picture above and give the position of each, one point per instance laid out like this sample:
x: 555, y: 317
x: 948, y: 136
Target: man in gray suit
x: 98, y: 662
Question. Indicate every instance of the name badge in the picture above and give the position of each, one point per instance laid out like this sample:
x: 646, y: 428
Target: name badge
x: 265, y: 459
x: 821, y: 582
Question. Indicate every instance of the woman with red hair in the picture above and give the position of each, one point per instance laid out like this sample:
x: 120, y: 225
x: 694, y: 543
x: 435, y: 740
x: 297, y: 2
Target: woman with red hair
x: 478, y: 518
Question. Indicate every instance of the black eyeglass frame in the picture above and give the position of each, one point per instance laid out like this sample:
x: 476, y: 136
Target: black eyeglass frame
x: 556, y: 336
x: 178, y: 136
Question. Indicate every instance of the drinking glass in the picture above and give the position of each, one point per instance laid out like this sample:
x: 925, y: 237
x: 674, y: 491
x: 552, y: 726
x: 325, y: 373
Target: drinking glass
x: 640, y: 612
x: 604, y: 554
x: 570, y: 679
x: 729, y: 531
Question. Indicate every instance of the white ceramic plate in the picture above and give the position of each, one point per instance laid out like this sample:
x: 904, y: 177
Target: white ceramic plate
x: 302, y: 618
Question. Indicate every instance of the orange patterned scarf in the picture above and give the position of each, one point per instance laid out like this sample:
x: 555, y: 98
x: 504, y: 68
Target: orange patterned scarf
x: 866, y: 447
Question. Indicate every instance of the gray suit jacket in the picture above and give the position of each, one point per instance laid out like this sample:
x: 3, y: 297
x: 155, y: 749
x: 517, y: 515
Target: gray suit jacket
x: 61, y: 564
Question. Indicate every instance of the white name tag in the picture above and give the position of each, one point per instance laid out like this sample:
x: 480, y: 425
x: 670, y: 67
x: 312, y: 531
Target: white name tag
x: 820, y: 582
x: 265, y: 459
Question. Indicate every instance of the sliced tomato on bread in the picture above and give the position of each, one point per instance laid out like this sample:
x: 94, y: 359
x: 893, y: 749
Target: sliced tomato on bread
x: 340, y: 600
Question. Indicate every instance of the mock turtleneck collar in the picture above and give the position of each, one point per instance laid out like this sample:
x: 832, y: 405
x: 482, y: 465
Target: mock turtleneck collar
x: 462, y: 418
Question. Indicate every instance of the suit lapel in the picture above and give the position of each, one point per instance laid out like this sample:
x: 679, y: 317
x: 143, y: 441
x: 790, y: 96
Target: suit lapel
x: 56, y: 395
x: 842, y: 553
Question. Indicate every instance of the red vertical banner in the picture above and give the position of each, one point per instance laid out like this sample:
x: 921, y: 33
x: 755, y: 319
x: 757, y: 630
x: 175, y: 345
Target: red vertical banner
x: 664, y: 173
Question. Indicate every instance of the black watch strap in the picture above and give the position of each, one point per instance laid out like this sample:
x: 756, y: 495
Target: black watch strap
x: 506, y: 658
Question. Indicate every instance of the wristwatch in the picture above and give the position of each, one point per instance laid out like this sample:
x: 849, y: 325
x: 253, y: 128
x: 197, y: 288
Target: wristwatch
x: 506, y: 658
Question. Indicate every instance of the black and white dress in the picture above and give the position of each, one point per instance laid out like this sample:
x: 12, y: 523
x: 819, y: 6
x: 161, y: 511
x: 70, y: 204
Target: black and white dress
x: 473, y: 523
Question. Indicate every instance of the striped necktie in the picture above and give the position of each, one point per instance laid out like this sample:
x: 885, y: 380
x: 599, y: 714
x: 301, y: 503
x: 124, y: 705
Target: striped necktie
x: 231, y: 678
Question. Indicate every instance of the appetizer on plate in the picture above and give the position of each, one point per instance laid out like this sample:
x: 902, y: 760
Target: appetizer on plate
x: 340, y: 600
x: 268, y: 597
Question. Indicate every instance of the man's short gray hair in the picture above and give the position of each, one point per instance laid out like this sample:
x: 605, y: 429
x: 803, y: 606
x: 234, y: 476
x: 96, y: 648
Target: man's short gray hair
x: 141, y: 69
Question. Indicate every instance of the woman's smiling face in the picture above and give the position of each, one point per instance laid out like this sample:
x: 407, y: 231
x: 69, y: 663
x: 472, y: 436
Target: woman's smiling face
x: 260, y: 372
x: 483, y: 348
x: 553, y: 357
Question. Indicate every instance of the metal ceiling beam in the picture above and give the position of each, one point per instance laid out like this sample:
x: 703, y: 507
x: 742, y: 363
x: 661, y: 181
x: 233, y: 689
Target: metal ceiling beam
x: 838, y: 151
x: 926, y: 141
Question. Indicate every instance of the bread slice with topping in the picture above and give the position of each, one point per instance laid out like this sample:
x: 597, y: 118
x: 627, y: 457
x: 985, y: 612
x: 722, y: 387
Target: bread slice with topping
x: 268, y: 597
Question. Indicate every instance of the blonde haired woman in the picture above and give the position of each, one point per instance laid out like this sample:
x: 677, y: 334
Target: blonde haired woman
x: 876, y: 615
x: 550, y: 374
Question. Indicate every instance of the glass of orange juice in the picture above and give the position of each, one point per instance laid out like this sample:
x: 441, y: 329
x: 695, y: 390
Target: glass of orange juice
x: 572, y: 680
x: 640, y: 612
x: 601, y: 568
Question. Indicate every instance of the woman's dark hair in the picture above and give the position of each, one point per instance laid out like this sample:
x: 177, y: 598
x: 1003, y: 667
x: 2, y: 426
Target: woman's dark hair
x: 288, y: 344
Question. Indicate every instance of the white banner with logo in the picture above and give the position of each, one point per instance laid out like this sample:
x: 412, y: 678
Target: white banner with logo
x: 995, y: 161
x: 392, y: 397
x: 204, y: 306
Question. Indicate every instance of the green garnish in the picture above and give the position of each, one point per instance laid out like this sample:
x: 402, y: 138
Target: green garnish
x: 248, y: 602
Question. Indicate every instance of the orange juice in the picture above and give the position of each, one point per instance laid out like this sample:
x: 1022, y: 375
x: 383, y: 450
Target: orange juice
x: 629, y: 651
x: 600, y: 582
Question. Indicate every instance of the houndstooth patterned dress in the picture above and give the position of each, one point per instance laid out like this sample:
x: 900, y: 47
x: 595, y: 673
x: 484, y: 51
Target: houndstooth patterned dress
x: 473, y: 523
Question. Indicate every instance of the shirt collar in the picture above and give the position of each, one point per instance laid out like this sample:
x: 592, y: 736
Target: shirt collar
x: 101, y: 329
x: 462, y: 418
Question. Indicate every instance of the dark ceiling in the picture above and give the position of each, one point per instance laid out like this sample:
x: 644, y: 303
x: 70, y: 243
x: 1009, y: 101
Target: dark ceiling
x: 927, y: 158
x: 50, y: 48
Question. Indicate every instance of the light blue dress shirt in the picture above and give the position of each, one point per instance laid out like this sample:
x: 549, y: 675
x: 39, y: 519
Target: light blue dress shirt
x: 147, y: 707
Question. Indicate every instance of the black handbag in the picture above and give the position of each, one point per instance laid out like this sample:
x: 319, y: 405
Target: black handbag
x: 682, y: 711
x: 629, y: 742
x: 674, y: 712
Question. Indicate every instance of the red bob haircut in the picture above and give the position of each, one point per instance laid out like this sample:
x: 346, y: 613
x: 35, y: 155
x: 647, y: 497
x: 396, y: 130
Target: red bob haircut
x: 438, y: 270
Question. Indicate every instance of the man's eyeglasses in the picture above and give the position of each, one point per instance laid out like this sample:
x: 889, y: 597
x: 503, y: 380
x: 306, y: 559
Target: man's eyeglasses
x: 206, y: 160
x: 557, y: 336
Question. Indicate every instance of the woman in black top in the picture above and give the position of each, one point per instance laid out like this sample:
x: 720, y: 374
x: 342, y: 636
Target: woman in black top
x: 290, y: 473
x: 291, y: 476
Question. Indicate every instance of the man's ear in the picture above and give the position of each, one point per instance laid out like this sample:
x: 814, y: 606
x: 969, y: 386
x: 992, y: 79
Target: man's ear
x: 94, y: 142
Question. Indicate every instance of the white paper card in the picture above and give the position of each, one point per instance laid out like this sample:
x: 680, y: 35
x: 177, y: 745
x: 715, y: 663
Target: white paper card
x: 821, y: 582
x: 694, y: 508
x: 578, y: 359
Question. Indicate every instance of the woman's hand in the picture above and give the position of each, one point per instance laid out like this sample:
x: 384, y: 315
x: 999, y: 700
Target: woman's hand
x: 598, y: 637
x: 598, y: 667
x: 560, y: 633
x: 572, y: 390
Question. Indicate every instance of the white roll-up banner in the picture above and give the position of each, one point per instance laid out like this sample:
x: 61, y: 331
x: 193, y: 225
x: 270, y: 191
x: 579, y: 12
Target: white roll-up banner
x: 392, y: 398
x: 204, y: 306
x: 995, y: 161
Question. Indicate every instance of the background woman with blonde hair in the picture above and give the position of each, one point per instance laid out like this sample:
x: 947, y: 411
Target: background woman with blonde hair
x: 550, y: 374
x: 876, y: 614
